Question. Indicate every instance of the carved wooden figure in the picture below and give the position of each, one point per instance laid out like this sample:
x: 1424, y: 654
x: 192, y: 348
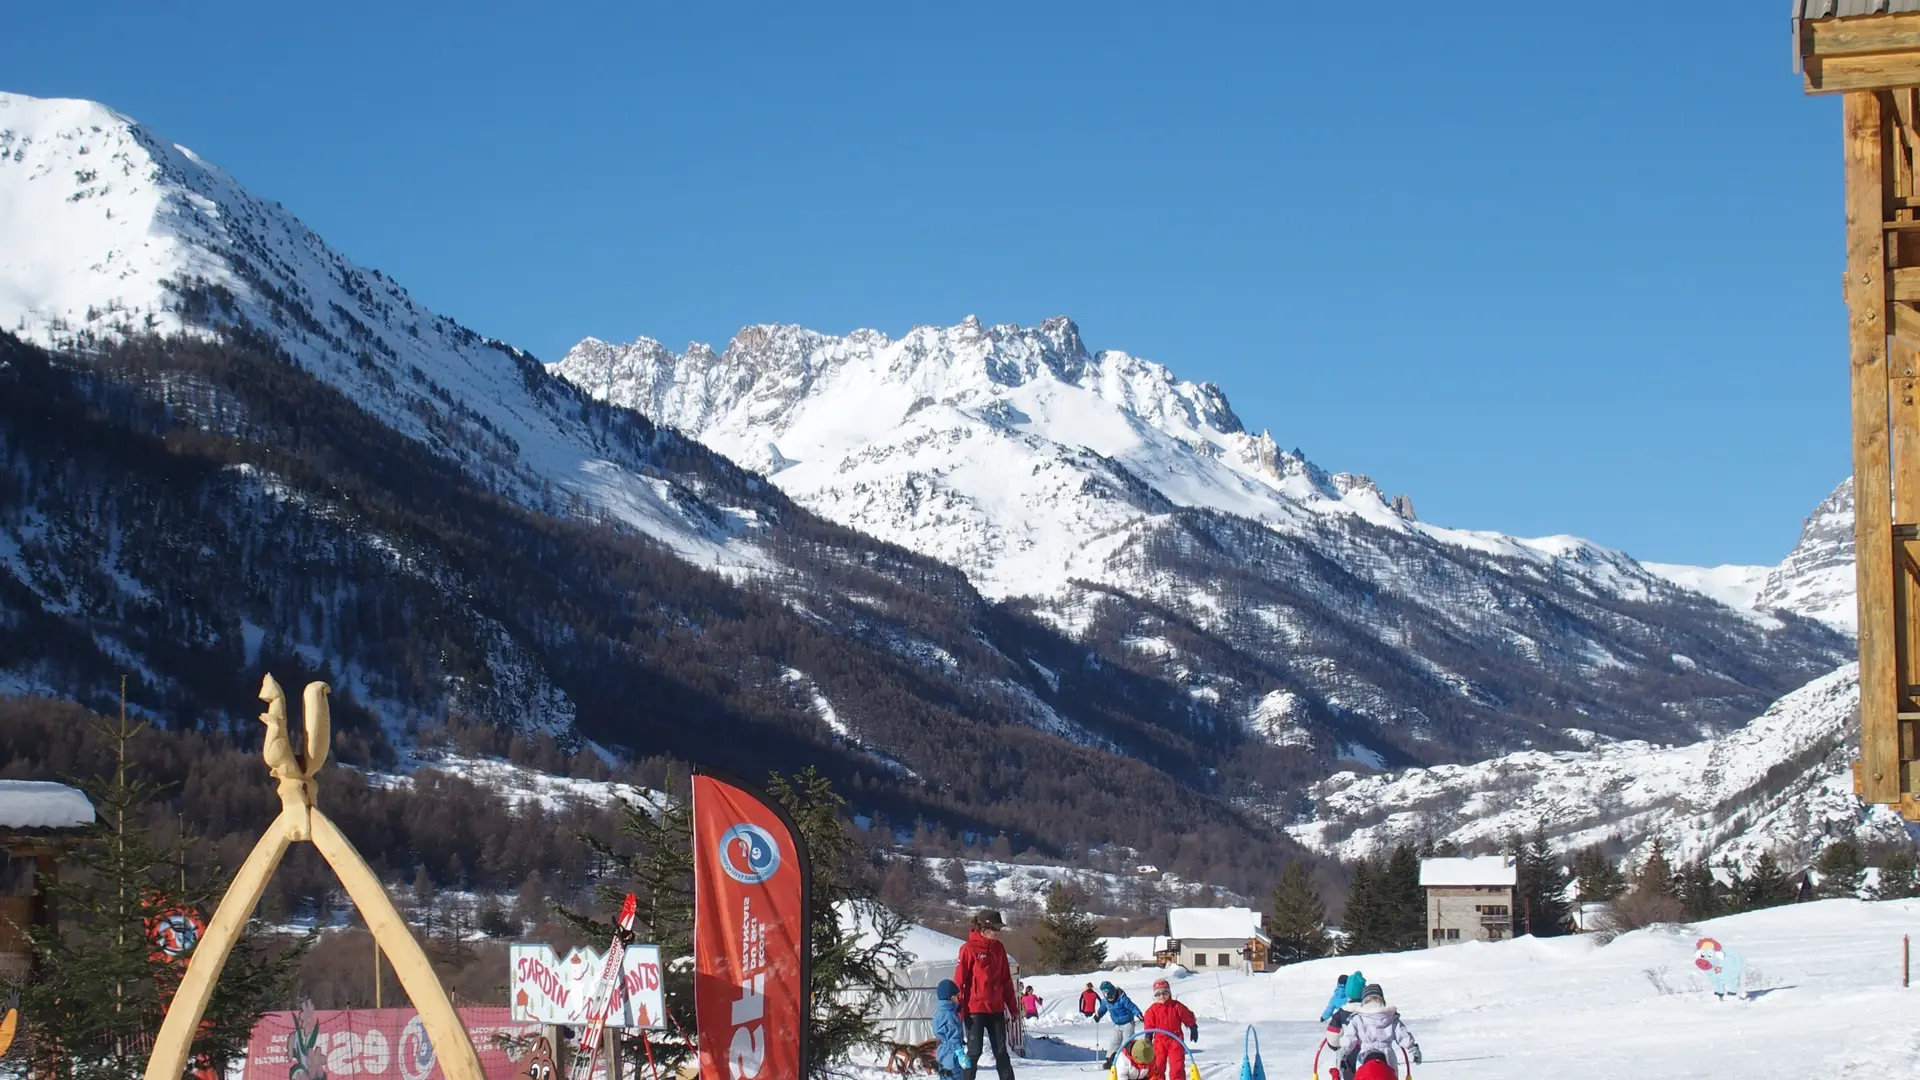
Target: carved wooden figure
x: 301, y: 819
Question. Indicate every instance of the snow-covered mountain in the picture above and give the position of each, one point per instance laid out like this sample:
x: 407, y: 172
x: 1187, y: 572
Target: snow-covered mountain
x: 108, y: 229
x: 1173, y: 585
x: 1781, y: 783
x: 1815, y: 580
x: 1110, y: 496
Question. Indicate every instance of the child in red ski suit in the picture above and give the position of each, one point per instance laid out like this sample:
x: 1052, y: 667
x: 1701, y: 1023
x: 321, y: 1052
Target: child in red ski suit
x: 1169, y: 1057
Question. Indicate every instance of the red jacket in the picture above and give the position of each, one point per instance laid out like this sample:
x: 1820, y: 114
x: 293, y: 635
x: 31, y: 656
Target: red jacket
x: 1169, y: 1016
x: 1089, y: 1002
x: 984, y: 979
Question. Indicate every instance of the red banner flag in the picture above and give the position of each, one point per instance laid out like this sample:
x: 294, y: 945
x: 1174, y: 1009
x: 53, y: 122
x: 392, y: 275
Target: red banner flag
x: 751, y: 892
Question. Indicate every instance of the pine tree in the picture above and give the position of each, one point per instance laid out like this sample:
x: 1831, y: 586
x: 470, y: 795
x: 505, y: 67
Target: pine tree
x: 1298, y: 927
x: 1545, y: 897
x: 1767, y: 886
x: 853, y: 964
x: 1365, y: 919
x: 1600, y: 879
x: 1656, y: 874
x: 1897, y: 876
x: 1700, y: 893
x: 1405, y: 902
x: 103, y: 986
x: 1841, y: 870
x: 1067, y: 940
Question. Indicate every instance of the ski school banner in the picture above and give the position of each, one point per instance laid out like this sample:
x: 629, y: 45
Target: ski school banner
x: 751, y: 891
x: 377, y: 1044
x: 554, y: 991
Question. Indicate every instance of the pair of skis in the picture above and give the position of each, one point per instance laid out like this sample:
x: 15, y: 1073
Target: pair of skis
x: 606, y: 993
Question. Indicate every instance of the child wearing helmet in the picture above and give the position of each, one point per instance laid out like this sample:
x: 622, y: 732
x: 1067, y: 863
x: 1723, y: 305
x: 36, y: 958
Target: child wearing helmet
x: 1136, y: 1061
x: 1167, y: 1014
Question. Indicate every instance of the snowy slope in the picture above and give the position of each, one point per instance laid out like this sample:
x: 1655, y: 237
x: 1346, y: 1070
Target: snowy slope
x: 1824, y: 980
x: 1116, y: 499
x: 1780, y: 783
x: 107, y: 229
x: 1815, y: 580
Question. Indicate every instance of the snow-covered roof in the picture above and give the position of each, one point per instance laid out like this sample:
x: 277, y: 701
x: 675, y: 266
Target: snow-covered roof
x: 1133, y: 949
x: 922, y: 944
x: 1480, y: 870
x: 42, y: 804
x: 1209, y: 923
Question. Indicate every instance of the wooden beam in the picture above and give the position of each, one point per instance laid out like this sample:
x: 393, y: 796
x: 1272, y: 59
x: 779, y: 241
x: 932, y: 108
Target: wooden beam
x: 1867, y: 297
x: 1866, y: 34
x: 1906, y: 283
x: 1879, y: 71
x: 1906, y: 327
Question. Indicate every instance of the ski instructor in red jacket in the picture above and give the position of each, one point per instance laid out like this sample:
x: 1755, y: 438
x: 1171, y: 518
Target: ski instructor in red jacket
x: 986, y: 992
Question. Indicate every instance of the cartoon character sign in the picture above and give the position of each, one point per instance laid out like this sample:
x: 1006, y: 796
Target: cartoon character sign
x: 538, y: 1064
x: 1723, y: 967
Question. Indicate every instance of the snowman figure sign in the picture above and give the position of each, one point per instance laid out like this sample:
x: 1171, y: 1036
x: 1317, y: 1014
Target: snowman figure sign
x: 1724, y: 967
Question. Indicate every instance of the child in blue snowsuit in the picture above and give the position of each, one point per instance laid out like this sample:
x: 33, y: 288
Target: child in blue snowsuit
x: 952, y: 1051
x: 1346, y: 988
x: 1116, y: 1006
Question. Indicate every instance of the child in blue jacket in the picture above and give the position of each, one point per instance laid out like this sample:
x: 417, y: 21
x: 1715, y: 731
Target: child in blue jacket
x: 1116, y: 1006
x: 952, y: 1051
x: 1338, y: 1001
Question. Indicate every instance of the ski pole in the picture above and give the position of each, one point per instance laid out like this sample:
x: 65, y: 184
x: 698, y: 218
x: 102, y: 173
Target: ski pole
x: 644, y: 1042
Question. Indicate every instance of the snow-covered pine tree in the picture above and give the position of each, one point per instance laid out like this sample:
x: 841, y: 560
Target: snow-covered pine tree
x: 1067, y: 940
x: 1299, y: 923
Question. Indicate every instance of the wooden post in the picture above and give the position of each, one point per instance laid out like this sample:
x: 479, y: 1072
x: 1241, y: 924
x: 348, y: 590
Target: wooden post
x: 376, y: 969
x: 1872, y: 480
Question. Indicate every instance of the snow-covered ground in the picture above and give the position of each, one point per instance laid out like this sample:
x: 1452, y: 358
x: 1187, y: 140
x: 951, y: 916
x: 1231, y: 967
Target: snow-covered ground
x: 1827, y: 1001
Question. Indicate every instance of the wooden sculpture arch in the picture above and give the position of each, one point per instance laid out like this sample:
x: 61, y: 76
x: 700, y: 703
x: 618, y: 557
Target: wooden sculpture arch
x: 300, y: 819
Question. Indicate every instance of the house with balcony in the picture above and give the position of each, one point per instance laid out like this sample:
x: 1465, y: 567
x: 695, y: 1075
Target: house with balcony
x: 1468, y: 899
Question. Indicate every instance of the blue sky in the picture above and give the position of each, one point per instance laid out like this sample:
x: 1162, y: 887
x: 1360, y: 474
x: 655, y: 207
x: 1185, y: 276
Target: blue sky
x: 1546, y: 267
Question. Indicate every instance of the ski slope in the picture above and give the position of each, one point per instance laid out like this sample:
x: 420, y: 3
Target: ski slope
x: 1828, y: 1002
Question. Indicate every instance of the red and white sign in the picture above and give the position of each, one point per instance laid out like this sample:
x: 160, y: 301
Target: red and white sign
x: 549, y: 990
x: 750, y: 934
x: 373, y: 1044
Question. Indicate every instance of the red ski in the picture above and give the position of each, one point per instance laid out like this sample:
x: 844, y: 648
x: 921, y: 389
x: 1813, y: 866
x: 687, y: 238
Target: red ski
x: 610, y: 988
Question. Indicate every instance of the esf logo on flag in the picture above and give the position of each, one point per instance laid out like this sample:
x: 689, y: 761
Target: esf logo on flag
x: 749, y: 854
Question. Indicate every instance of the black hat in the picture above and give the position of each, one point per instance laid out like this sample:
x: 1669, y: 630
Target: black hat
x: 989, y: 919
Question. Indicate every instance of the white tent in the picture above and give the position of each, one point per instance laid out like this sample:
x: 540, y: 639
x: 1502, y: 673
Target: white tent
x: 931, y: 955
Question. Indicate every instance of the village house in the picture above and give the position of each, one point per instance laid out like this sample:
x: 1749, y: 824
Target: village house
x: 1217, y: 938
x: 1468, y: 899
x: 37, y: 819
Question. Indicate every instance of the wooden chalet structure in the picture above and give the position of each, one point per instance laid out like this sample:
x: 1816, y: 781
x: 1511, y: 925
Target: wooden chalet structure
x: 37, y: 820
x: 1868, y: 51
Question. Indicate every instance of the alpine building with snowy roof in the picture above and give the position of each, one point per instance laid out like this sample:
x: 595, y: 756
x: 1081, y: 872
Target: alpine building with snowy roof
x: 1230, y: 937
x: 1468, y: 899
x: 36, y: 818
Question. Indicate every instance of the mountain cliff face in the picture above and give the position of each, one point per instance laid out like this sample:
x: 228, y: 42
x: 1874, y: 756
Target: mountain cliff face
x: 1814, y: 581
x: 1122, y: 504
